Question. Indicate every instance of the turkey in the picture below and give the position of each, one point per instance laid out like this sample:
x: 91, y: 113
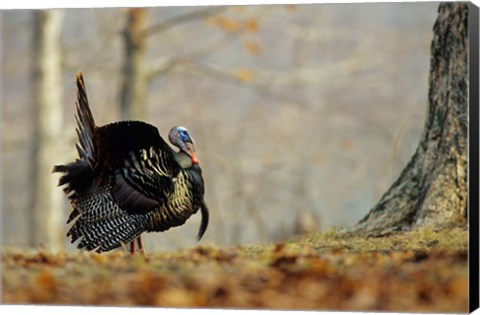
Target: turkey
x: 128, y: 180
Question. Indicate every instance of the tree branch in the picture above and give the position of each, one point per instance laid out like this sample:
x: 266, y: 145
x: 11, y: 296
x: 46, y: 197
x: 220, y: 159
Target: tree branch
x: 164, y: 64
x: 263, y: 87
x: 188, y: 17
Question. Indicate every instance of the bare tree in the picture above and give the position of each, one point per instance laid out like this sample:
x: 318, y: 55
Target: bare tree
x: 137, y: 70
x: 432, y: 189
x: 47, y: 75
x: 135, y: 74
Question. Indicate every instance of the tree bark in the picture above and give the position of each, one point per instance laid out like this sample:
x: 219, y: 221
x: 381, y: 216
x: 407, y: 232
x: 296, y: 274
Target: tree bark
x: 47, y: 77
x: 432, y: 189
x: 135, y: 74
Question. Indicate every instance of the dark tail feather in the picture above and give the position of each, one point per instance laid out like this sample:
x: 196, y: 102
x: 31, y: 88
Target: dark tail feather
x: 204, y: 224
x: 77, y: 177
x: 85, y: 122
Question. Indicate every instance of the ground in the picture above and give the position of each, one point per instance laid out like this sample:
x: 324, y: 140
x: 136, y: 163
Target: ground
x: 420, y: 271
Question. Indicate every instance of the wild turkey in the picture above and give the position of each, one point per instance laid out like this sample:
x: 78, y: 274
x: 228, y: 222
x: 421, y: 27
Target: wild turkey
x: 128, y: 180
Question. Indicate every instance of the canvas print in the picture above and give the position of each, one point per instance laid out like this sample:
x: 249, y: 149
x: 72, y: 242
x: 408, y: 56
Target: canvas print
x: 289, y: 157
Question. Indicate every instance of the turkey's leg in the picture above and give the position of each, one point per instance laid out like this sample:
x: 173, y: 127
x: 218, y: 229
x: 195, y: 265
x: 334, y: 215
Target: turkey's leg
x: 140, y: 245
x: 132, y: 247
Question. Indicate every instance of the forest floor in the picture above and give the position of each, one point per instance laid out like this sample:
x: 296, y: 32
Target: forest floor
x: 419, y: 271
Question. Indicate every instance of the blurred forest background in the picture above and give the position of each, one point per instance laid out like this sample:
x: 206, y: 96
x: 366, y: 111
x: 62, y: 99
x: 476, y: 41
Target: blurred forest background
x: 303, y: 115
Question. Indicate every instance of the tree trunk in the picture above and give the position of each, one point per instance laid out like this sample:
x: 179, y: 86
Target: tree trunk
x: 432, y: 189
x: 135, y: 74
x: 47, y: 77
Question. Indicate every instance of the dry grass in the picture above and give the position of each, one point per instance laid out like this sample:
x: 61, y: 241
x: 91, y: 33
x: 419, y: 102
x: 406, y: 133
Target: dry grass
x: 416, y: 271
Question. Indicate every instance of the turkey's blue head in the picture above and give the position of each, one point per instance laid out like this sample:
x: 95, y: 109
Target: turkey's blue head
x: 180, y: 138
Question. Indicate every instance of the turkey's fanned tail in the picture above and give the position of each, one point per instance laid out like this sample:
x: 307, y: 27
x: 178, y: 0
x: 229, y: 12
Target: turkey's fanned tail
x: 85, y: 123
x: 79, y: 175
